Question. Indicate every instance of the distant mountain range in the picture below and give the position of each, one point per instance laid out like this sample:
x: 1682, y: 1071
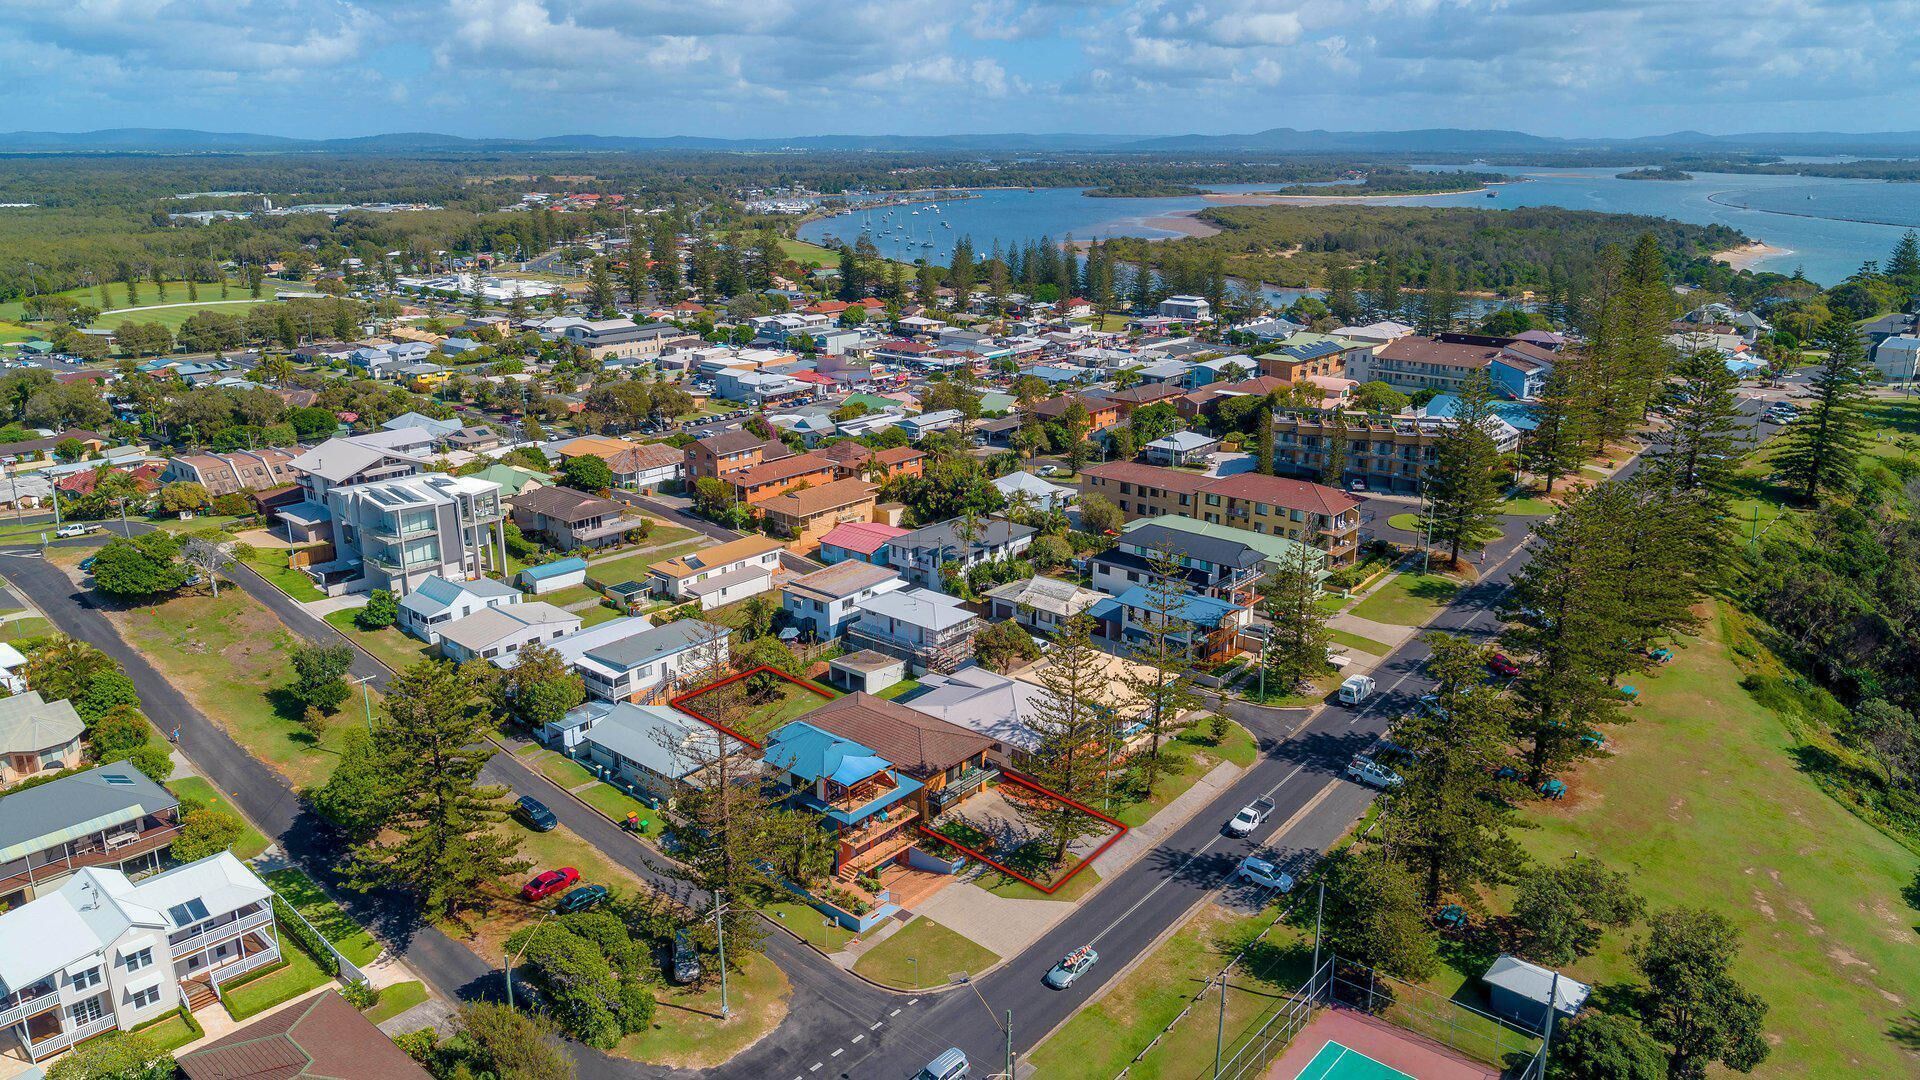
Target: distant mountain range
x: 1270, y: 141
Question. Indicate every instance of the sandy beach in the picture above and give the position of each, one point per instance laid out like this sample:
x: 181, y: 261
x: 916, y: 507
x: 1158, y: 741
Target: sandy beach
x: 1254, y: 198
x: 1184, y: 222
x: 1743, y: 258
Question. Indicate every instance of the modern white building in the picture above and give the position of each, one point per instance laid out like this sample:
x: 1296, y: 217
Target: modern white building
x: 1898, y: 358
x: 1186, y: 308
x: 502, y: 631
x: 104, y: 952
x: 627, y: 660
x: 826, y: 602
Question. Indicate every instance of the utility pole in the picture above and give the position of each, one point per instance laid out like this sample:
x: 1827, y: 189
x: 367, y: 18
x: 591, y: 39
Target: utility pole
x: 1220, y: 1028
x: 1318, y: 911
x: 366, y: 698
x: 720, y: 932
x: 1009, y: 1044
x: 511, y: 957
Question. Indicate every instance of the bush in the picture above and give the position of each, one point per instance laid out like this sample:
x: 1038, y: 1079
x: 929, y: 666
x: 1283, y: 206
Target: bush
x: 105, y: 691
x: 304, y: 936
x: 206, y: 831
x: 233, y: 505
x: 382, y: 611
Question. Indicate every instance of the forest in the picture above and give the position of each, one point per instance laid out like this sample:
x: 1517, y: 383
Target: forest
x: 1502, y: 250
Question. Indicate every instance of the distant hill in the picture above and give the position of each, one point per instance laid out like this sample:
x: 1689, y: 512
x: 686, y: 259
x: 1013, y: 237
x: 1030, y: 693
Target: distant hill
x: 1269, y: 141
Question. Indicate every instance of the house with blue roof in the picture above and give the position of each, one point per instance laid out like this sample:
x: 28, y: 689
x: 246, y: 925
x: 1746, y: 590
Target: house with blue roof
x: 438, y: 601
x: 1212, y: 626
x: 862, y: 799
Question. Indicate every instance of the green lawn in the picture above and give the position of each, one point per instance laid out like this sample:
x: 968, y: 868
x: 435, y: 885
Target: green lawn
x: 808, y: 254
x: 1101, y: 1039
x: 921, y: 954
x: 634, y: 567
x: 271, y: 563
x: 11, y: 332
x: 332, y: 921
x: 596, y: 615
x: 1361, y: 644
x: 174, y: 317
x: 899, y: 689
x: 32, y: 626
x: 733, y: 706
x: 231, y: 657
x: 562, y: 770
x: 193, y: 789
x: 1527, y: 506
x: 114, y: 294
x: 170, y: 1032
x: 617, y: 804
x: 296, y: 976
x: 1014, y: 889
x: 1188, y: 757
x: 387, y: 644
x: 687, y: 1032
x: 812, y: 927
x: 396, y: 999
x: 1316, y: 692
x: 1408, y: 599
x: 573, y: 594
x: 1702, y: 800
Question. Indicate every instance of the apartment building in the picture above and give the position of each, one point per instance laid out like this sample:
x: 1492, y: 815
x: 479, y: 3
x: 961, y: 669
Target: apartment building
x: 395, y: 534
x: 1517, y: 368
x: 920, y: 554
x: 622, y: 339
x: 770, y: 478
x: 1216, y: 566
x: 1383, y: 453
x: 228, y: 474
x: 717, y: 455
x: 1325, y: 517
x: 808, y: 515
x: 109, y: 816
x: 104, y: 952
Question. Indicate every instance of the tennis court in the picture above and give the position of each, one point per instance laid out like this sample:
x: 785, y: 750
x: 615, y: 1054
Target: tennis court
x: 1336, y: 1062
x: 1346, y: 1044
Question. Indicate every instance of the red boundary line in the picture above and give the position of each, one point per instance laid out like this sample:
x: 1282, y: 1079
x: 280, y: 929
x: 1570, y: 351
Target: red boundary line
x: 1121, y: 830
x: 681, y: 701
x: 1009, y: 774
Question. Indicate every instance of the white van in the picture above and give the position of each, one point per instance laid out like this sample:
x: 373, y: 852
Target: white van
x: 950, y: 1065
x: 1355, y: 688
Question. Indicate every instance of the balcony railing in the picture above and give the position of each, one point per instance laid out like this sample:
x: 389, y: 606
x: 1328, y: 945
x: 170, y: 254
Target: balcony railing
x: 209, y: 934
x: 29, y: 999
x: 91, y: 852
x: 54, y: 1042
x: 234, y: 968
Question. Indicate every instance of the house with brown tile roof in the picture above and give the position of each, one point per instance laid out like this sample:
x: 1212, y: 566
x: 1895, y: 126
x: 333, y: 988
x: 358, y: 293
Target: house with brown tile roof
x: 225, y: 474
x: 1325, y: 517
x: 810, y: 513
x: 646, y: 466
x: 718, y: 455
x: 316, y: 1038
x: 770, y: 478
x: 572, y: 519
x: 948, y: 760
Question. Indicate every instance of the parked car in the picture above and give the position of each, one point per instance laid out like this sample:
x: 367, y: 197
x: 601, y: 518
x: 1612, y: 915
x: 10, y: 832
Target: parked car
x: 1357, y: 485
x: 581, y: 899
x: 1503, y: 667
x: 1250, y: 817
x: 686, y: 959
x: 1373, y: 774
x: 1049, y: 470
x: 950, y: 1065
x: 1071, y: 967
x: 86, y: 564
x: 74, y: 528
x: 548, y: 882
x: 1261, y: 872
x: 535, y: 814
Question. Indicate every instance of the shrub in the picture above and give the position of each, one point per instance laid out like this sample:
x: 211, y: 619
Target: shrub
x: 381, y: 611
x: 206, y: 831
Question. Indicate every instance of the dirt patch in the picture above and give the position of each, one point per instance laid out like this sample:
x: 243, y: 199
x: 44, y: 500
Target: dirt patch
x: 1760, y: 902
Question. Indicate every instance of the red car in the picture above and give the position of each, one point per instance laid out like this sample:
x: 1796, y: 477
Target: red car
x: 549, y: 882
x: 1503, y: 667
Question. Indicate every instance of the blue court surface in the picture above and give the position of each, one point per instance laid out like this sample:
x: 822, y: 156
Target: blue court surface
x: 1336, y: 1062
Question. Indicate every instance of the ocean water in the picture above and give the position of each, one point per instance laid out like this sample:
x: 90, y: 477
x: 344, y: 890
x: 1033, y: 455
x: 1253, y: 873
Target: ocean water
x: 1826, y: 226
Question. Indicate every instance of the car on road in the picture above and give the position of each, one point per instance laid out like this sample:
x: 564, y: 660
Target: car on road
x: 581, y: 899
x: 1503, y: 667
x: 950, y: 1065
x: 1250, y: 817
x: 1071, y: 967
x: 1357, y: 485
x: 548, y: 882
x: 1261, y: 872
x: 535, y: 813
x: 1373, y: 774
x: 686, y: 959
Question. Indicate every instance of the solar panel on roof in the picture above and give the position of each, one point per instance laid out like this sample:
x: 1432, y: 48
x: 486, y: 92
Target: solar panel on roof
x: 185, y: 914
x: 118, y: 779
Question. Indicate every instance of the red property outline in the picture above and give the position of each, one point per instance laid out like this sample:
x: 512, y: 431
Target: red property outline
x: 1120, y: 830
x: 680, y: 702
x: 1009, y: 774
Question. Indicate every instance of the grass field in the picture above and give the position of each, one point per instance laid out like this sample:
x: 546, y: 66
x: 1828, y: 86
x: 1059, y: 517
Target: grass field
x: 271, y: 563
x: 114, y: 295
x: 387, y: 645
x: 687, y: 1031
x: 319, y: 909
x: 617, y: 804
x: 231, y: 657
x: 485, y: 931
x: 1703, y: 803
x: 1527, y: 506
x: 395, y: 999
x: 808, y: 254
x: 173, y: 317
x: 1102, y: 1038
x: 923, y: 953
x: 1361, y: 644
x: 170, y: 1032
x: 32, y: 626
x: 193, y: 789
x: 1189, y: 758
x: 634, y: 567
x: 809, y: 925
x: 732, y: 707
x: 1011, y: 888
x: 1408, y: 599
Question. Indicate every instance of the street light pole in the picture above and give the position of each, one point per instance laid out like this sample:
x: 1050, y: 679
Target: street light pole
x: 511, y: 957
x: 1220, y: 1028
x: 720, y: 932
x: 366, y: 697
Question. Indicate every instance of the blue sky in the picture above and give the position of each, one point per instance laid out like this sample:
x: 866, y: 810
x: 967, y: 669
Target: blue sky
x: 324, y: 68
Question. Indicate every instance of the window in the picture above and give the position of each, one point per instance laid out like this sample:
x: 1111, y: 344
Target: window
x: 86, y: 1012
x: 143, y: 998
x: 136, y: 961
x: 89, y: 977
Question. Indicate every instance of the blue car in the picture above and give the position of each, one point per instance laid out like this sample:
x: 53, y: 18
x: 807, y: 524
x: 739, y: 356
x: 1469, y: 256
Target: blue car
x: 1071, y: 967
x: 581, y: 899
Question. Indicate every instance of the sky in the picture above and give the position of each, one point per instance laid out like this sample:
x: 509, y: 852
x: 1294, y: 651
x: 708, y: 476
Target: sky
x: 767, y: 68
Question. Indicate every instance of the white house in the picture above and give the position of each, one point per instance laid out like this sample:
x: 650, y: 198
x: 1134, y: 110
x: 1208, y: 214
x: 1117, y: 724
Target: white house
x: 642, y: 748
x: 1898, y: 357
x: 627, y: 660
x: 503, y: 631
x: 825, y: 602
x: 1180, y: 448
x: 438, y: 601
x: 930, y: 631
x: 1025, y: 487
x: 104, y: 952
x: 720, y: 574
x: 1186, y: 308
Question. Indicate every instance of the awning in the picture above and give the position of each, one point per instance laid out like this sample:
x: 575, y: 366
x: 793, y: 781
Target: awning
x: 76, y: 831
